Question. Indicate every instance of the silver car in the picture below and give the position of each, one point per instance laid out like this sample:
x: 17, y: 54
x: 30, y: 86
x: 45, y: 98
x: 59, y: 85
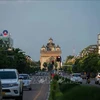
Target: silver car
x: 76, y: 77
x: 26, y: 81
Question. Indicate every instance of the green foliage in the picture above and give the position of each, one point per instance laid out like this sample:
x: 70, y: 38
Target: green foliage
x: 82, y: 93
x: 56, y: 65
x: 45, y: 64
x: 57, y: 90
x: 15, y: 58
x: 69, y: 57
x: 87, y: 63
x: 56, y: 77
x: 67, y: 68
x: 66, y: 87
x: 53, y: 90
x: 73, y: 91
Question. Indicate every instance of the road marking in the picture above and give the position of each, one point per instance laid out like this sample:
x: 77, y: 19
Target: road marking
x: 38, y: 93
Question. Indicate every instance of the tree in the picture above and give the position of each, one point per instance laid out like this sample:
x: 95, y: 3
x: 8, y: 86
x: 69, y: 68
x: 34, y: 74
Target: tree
x: 16, y: 58
x: 88, y: 63
x: 45, y: 65
x: 56, y: 65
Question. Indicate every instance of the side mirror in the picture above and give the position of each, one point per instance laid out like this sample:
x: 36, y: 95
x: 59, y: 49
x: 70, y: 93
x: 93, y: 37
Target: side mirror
x: 20, y: 78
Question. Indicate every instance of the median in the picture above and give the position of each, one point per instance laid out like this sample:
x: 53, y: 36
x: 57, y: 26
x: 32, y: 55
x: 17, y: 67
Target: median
x: 64, y: 89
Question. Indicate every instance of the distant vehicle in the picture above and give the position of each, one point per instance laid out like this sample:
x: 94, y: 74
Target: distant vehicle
x: 26, y: 81
x: 76, y: 77
x: 11, y: 85
x: 97, y: 79
x: 38, y: 74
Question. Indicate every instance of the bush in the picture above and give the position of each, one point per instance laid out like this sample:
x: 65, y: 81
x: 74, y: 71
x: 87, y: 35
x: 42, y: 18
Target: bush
x: 67, y: 86
x: 67, y: 80
x: 56, y: 77
x: 82, y: 93
x: 53, y: 90
x: 53, y: 94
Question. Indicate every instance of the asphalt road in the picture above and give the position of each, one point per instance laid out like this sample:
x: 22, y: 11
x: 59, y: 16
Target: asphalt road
x: 40, y: 89
x: 92, y: 82
x: 38, y: 92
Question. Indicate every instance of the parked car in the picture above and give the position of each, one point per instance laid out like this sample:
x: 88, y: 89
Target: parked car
x: 11, y: 85
x: 76, y: 77
x: 26, y: 81
x: 97, y: 78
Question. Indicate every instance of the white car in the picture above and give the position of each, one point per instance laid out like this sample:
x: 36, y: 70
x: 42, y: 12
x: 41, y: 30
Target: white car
x: 76, y: 77
x: 97, y: 79
x: 11, y: 85
x: 26, y: 81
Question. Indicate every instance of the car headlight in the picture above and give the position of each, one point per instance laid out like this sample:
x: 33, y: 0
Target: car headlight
x: 13, y: 84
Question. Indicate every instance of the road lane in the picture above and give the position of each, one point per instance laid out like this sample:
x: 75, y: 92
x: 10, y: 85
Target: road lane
x: 40, y: 89
x: 92, y: 82
x: 38, y: 92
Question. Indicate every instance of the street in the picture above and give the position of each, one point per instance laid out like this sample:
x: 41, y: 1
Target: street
x: 39, y: 92
x: 92, y: 80
x: 40, y: 89
x: 91, y: 83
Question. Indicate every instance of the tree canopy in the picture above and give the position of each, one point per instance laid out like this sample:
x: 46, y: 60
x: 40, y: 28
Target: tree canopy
x: 16, y: 58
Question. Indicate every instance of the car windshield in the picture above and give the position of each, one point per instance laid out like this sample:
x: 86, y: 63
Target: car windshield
x: 7, y: 75
x: 24, y: 76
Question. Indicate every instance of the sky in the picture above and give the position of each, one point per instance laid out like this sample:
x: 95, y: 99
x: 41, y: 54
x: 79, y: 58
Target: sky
x: 73, y: 24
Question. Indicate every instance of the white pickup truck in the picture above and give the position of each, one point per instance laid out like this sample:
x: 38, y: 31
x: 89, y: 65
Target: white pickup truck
x: 12, y: 86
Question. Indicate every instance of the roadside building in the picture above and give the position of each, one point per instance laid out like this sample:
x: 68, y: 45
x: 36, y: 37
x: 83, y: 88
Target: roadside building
x: 5, y: 39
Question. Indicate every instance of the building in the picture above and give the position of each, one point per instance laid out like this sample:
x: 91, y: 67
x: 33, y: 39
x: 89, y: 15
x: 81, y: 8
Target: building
x: 88, y: 50
x: 49, y: 53
x: 6, y: 40
x: 98, y: 43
